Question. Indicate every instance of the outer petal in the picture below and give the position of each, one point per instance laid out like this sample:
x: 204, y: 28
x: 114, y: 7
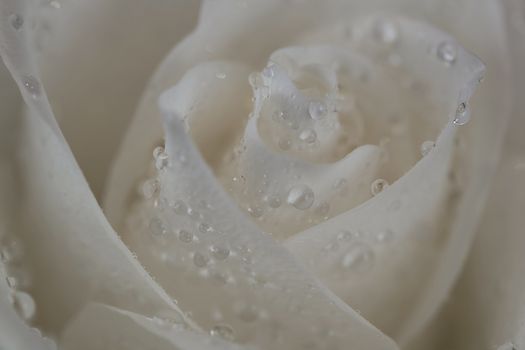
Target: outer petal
x: 96, y: 57
x: 56, y: 246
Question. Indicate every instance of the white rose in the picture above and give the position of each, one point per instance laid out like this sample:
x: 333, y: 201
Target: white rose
x: 267, y: 219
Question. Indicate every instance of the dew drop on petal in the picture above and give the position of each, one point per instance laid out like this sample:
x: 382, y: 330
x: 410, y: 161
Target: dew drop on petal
x: 23, y: 304
x: 255, y: 211
x: 426, y: 147
x: 180, y: 208
x: 150, y: 188
x: 268, y: 72
x: 220, y: 252
x: 317, y: 110
x: 308, y: 136
x: 285, y: 144
x: 205, y: 228
x: 200, y: 260
x: 224, y: 331
x: 447, y: 52
x: 274, y: 201
x: 16, y: 21
x: 185, y: 236
x: 32, y: 85
x: 161, y: 158
x: 156, y: 227
x: 378, y: 186
x: 358, y: 258
x: 385, y: 236
x: 462, y: 114
x: 301, y: 197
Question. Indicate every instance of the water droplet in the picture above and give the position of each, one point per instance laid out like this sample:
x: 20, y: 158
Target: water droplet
x: 345, y: 236
x: 185, y: 236
x: 23, y: 304
x: 200, y: 260
x: 221, y: 75
x: 32, y: 85
x: 301, y: 197
x: 205, y: 228
x: 180, y: 208
x: 447, y: 52
x: 224, y: 331
x: 220, y: 252
x: 285, y: 144
x: 11, y: 282
x: 317, y: 110
x: 156, y: 227
x: 462, y: 114
x: 386, y: 32
x: 274, y: 201
x: 161, y: 158
x: 426, y: 147
x: 378, y: 186
x: 339, y: 185
x: 308, y: 136
x: 358, y: 258
x: 255, y: 211
x: 16, y: 21
x: 150, y: 188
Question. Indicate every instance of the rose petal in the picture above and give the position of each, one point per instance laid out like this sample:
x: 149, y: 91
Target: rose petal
x: 404, y: 230
x: 197, y: 239
x: 95, y: 58
x: 62, y: 252
x: 100, y: 326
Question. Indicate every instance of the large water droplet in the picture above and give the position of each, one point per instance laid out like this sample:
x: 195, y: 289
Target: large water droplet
x: 16, y: 21
x: 317, y: 110
x: 224, y: 331
x: 358, y: 258
x: 462, y: 114
x: 378, y: 186
x: 301, y: 197
x: 447, y: 52
x: 23, y: 304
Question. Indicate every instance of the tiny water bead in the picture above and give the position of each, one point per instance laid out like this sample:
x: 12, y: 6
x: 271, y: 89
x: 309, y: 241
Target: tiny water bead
x: 185, y: 236
x: 385, y: 236
x: 180, y: 208
x: 200, y: 260
x: 285, y: 144
x: 221, y: 75
x: 150, y: 188
x: 358, y: 258
x: 24, y: 305
x: 256, y: 211
x: 32, y: 85
x: 205, y: 228
x: 268, y: 72
x: 447, y: 52
x: 161, y: 157
x: 462, y: 114
x: 16, y: 21
x: 224, y: 331
x: 156, y: 227
x: 426, y: 147
x: 308, y: 136
x: 317, y: 110
x: 378, y: 186
x: 301, y: 197
x: 220, y: 252
x: 274, y: 202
